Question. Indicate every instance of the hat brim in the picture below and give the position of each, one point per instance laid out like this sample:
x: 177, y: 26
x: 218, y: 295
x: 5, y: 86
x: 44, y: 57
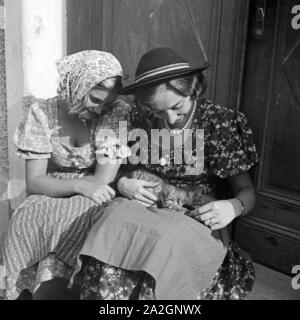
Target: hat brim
x: 157, y: 80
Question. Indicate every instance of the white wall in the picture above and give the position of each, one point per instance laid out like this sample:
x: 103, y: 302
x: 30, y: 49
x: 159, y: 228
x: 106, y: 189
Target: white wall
x: 35, y: 36
x: 43, y: 36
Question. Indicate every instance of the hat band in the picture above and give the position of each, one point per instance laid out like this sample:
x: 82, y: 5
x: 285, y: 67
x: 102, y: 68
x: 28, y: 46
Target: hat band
x: 158, y: 71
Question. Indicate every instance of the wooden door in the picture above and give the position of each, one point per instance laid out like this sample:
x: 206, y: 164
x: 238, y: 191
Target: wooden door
x: 128, y: 28
x: 271, y: 99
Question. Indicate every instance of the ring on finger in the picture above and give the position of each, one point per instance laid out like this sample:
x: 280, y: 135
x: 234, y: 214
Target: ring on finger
x: 212, y: 221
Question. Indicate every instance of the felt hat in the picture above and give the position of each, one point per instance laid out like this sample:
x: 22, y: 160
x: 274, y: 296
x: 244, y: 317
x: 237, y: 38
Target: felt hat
x: 159, y: 65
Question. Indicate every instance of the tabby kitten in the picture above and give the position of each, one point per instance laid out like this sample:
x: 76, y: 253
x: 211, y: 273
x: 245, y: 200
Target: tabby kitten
x: 171, y: 197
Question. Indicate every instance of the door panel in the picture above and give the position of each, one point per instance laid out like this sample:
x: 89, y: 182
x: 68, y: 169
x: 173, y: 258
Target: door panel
x: 271, y: 99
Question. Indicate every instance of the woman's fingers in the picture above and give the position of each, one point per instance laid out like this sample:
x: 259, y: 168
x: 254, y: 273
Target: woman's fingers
x: 150, y: 184
x: 207, y: 207
x: 142, y: 203
x: 101, y: 197
x: 204, y: 213
x: 97, y: 200
x: 216, y: 226
x: 206, y: 216
x: 100, y: 194
x: 201, y: 216
x: 149, y: 195
x: 144, y: 199
x: 211, y: 222
x: 107, y: 195
x: 111, y: 191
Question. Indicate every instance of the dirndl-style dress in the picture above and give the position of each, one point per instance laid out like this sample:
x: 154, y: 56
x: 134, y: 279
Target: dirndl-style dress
x: 46, y: 234
x: 135, y: 252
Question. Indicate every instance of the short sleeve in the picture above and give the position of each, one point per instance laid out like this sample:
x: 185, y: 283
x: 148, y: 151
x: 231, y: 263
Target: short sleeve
x: 32, y: 136
x: 112, y: 132
x: 231, y: 144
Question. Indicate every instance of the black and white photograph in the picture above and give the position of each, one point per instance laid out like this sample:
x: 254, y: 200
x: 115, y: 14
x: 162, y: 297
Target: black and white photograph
x: 150, y: 150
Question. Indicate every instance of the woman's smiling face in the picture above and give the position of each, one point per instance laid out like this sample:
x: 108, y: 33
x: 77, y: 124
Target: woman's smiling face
x: 168, y: 105
x: 96, y: 99
x: 96, y: 103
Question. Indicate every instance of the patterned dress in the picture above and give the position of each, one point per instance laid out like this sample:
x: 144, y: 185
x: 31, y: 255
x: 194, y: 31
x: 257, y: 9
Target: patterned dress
x: 229, y: 150
x: 45, y: 234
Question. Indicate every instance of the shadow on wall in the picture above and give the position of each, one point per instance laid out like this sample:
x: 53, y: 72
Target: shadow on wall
x: 4, y: 215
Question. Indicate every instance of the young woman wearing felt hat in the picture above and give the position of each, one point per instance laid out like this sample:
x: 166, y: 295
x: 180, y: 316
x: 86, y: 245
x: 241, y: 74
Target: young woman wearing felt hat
x: 142, y: 252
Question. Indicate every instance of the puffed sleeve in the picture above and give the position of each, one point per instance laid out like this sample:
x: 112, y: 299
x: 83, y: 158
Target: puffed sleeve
x: 231, y: 144
x: 112, y: 133
x: 32, y: 136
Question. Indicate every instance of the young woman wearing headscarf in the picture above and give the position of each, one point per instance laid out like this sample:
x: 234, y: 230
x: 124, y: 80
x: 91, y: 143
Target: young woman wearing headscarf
x: 60, y: 141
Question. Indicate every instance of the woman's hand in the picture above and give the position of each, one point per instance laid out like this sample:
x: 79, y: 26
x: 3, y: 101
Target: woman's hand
x: 137, y: 190
x: 100, y: 193
x: 216, y: 214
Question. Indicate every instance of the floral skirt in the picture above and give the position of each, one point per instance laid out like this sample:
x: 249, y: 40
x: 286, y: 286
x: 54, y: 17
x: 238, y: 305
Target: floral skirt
x: 100, y: 281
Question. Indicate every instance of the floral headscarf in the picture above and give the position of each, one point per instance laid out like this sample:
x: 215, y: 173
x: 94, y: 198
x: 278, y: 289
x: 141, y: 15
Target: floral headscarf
x: 81, y: 71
